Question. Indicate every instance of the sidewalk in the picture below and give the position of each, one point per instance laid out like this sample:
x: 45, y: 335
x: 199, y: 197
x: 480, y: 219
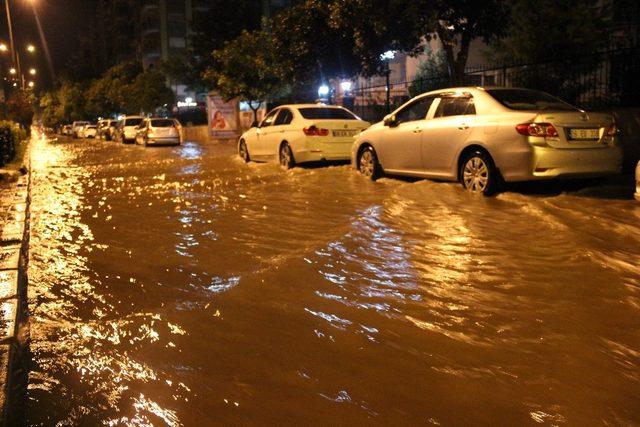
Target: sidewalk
x: 14, y: 199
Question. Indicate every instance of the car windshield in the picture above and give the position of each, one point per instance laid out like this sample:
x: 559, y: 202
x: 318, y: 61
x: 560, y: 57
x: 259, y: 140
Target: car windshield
x: 91, y: 127
x: 319, y: 113
x: 525, y: 99
x: 132, y: 122
x: 162, y: 123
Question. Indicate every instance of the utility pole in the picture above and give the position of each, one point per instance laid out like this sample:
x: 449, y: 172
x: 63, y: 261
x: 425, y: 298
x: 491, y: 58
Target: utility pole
x: 14, y: 52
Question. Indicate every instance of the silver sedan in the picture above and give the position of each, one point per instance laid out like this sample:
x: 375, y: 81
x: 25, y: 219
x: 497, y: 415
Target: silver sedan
x: 482, y: 136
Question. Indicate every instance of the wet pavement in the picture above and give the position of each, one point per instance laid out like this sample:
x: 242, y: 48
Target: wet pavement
x: 179, y: 286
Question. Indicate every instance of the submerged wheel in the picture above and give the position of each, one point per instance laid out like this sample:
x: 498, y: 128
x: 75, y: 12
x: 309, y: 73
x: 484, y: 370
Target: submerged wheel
x: 368, y: 164
x: 286, y: 157
x: 243, y: 152
x: 478, y: 173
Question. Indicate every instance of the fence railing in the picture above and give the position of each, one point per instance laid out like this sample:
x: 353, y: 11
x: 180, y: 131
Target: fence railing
x: 595, y: 81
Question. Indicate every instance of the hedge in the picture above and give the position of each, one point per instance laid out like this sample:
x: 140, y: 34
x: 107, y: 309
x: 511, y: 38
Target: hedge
x: 10, y: 136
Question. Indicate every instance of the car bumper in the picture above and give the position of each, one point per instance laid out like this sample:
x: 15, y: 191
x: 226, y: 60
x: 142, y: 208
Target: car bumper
x: 539, y: 163
x: 164, y: 141
x: 321, y: 150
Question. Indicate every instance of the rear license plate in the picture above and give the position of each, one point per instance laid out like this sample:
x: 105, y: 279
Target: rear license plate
x: 584, y: 134
x: 344, y: 133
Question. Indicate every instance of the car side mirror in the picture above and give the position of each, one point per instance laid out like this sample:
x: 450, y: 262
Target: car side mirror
x: 390, y: 121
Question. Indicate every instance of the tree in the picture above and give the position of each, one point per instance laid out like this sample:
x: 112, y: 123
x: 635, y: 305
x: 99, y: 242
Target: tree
x: 20, y: 107
x: 247, y: 69
x: 432, y: 74
x: 549, y: 33
x: 381, y: 25
x: 546, y: 30
x: 223, y: 22
x: 148, y: 92
x: 308, y: 48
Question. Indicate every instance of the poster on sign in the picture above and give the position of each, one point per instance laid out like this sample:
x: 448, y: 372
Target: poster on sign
x: 223, y: 117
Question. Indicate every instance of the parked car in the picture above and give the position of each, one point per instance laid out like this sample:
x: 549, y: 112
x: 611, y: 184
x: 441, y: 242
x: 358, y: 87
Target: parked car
x: 104, y: 129
x: 127, y: 129
x: 480, y: 136
x: 66, y: 130
x: 158, y: 131
x: 88, y: 131
x: 302, y: 133
x: 76, y: 127
x: 638, y: 181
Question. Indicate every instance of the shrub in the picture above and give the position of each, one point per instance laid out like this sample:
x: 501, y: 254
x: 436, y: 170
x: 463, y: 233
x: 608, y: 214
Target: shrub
x: 10, y: 134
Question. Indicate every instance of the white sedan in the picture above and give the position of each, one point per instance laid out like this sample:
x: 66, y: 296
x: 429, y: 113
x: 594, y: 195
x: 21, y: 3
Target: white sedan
x: 481, y: 136
x: 302, y: 133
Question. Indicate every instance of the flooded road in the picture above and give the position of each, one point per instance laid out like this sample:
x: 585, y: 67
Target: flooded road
x: 179, y: 286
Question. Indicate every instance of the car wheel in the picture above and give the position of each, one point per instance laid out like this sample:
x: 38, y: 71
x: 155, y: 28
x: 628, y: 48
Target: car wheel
x: 286, y: 157
x: 478, y: 173
x: 243, y: 151
x: 368, y: 164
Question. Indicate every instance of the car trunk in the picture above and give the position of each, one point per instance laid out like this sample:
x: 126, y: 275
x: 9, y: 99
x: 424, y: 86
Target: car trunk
x: 576, y: 129
x: 341, y: 129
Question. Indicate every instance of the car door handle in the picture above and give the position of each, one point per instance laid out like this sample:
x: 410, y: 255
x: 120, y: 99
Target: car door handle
x: 418, y: 130
x: 463, y: 126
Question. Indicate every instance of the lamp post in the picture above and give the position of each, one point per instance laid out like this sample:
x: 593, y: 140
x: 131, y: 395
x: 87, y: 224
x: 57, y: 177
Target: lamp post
x: 386, y: 57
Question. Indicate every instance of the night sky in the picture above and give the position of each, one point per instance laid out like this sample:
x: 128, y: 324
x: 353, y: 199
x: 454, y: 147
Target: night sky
x: 62, y: 21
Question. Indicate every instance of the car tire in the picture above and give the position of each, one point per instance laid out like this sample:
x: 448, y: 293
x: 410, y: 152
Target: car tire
x: 286, y: 157
x: 243, y: 151
x: 478, y: 173
x: 368, y: 164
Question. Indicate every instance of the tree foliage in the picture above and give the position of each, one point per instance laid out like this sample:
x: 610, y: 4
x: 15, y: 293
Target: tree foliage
x: 381, y: 25
x: 124, y: 88
x: 247, y: 68
x: 223, y: 22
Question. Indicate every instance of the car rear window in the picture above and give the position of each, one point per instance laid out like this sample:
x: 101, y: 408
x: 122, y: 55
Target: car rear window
x: 132, y: 122
x: 526, y: 99
x: 162, y: 123
x: 313, y: 113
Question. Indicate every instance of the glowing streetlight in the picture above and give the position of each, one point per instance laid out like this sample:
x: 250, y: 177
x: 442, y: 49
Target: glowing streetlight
x: 323, y: 91
x: 3, y: 47
x: 12, y: 70
x: 31, y: 48
x: 345, y: 86
x: 31, y: 84
x: 32, y: 71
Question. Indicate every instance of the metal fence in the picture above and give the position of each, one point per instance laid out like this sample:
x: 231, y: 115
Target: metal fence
x: 600, y: 80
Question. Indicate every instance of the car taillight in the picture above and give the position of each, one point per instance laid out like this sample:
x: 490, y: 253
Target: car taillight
x: 315, y: 131
x: 612, y: 130
x: 537, y: 129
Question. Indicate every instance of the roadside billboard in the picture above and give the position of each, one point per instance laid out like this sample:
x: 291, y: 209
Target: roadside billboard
x: 223, y: 117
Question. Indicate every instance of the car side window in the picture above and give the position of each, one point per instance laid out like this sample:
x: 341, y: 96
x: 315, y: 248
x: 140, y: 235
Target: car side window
x: 417, y: 110
x: 455, y: 106
x: 268, y: 121
x: 284, y: 118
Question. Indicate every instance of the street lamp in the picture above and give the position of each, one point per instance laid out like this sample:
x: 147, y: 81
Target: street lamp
x: 12, y: 70
x: 32, y: 71
x: 345, y: 86
x: 386, y: 57
x: 31, y: 48
x: 323, y: 91
x: 31, y: 84
x: 3, y: 47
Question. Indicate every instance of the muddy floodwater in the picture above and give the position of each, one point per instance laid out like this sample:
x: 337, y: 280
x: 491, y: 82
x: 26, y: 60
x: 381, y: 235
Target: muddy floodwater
x: 179, y: 286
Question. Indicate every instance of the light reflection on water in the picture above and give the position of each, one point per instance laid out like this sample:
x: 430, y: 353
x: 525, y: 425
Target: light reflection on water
x: 180, y: 286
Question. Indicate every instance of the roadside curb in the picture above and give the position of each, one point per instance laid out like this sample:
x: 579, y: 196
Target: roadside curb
x: 14, y: 243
